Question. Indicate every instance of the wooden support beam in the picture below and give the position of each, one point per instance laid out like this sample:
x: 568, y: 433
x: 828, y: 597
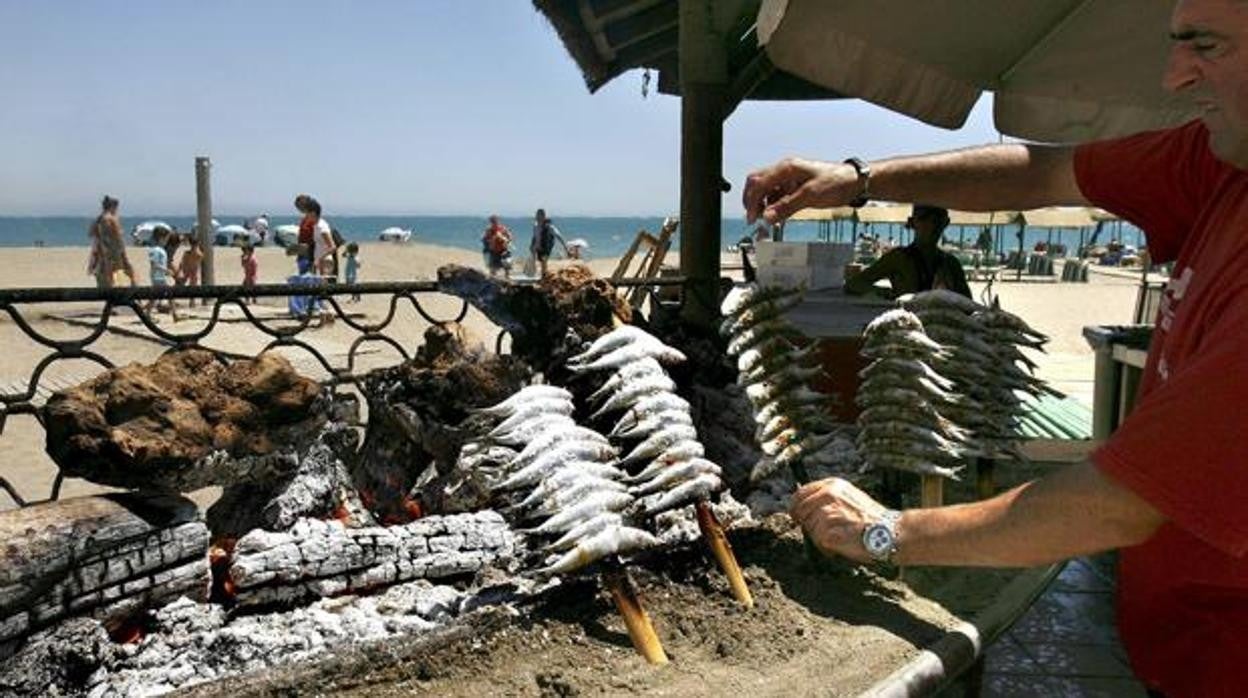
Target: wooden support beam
x: 703, y: 86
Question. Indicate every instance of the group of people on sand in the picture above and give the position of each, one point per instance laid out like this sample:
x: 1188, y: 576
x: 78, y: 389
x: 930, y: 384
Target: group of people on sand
x: 497, y: 239
x: 320, y: 244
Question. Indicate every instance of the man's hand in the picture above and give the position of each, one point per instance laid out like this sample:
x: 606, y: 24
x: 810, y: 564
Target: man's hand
x: 777, y: 192
x: 834, y: 514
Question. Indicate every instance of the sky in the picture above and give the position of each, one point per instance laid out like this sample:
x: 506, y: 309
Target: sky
x: 421, y: 107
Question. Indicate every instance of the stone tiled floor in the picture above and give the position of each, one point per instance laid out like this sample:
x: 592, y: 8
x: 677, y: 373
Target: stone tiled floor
x: 1066, y: 643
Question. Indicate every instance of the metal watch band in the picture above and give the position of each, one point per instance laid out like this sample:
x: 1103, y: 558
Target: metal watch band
x: 888, y: 520
x: 864, y: 178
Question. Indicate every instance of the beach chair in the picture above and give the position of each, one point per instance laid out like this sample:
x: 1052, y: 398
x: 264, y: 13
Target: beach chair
x: 651, y: 264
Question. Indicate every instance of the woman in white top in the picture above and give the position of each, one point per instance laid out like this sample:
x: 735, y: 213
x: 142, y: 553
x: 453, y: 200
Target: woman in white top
x: 322, y: 242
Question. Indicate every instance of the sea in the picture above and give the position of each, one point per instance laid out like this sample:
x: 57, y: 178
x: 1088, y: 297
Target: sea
x: 606, y: 236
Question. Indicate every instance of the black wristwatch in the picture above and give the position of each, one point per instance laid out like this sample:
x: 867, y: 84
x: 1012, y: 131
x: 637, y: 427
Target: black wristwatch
x: 864, y: 178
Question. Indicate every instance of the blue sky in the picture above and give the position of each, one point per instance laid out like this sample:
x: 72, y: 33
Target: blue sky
x: 385, y: 106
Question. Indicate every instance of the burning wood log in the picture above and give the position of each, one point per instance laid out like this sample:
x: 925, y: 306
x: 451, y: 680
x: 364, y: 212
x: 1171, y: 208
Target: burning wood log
x: 319, y: 558
x: 319, y: 487
x: 539, y: 317
x: 414, y: 411
x: 106, y: 556
x: 184, y: 422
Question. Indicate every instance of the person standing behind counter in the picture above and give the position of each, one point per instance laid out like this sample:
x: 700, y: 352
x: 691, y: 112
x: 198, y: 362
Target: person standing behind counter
x: 919, y: 266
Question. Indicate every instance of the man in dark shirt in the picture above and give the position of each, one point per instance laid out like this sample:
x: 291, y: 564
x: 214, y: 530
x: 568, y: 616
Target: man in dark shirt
x: 919, y: 266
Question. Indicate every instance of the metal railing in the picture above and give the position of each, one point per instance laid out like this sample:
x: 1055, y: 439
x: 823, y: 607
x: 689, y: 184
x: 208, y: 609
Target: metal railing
x: 284, y: 331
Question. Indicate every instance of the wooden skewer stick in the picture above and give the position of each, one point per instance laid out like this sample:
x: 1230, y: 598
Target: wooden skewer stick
x: 985, y: 482
x: 640, y: 630
x: 933, y: 491
x: 717, y: 541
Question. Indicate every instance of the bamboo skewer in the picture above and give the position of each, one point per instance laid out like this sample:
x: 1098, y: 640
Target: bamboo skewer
x: 717, y: 541
x: 640, y: 629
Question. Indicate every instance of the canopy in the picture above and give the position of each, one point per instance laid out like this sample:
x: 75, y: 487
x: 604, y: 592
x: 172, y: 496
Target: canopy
x: 1059, y: 217
x: 1060, y: 70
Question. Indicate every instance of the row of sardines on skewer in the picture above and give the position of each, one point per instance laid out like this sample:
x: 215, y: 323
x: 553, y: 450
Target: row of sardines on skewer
x: 776, y: 364
x: 590, y: 495
x: 944, y: 383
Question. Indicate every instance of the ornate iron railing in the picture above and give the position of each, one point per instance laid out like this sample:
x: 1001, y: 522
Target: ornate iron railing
x: 285, y: 331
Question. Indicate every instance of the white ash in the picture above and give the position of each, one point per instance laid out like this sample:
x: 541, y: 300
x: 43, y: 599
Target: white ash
x: 680, y: 526
x: 195, y: 643
x: 318, y: 558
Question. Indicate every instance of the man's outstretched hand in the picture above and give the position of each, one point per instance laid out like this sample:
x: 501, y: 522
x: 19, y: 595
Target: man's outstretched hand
x: 777, y: 192
x: 834, y: 513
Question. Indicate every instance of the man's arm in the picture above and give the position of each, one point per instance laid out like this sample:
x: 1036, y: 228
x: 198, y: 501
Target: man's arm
x: 864, y: 281
x: 1075, y: 511
x: 1009, y: 176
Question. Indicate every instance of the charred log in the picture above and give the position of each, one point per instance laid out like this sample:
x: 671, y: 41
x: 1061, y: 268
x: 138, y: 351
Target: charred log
x: 319, y: 558
x: 106, y: 557
x: 539, y: 318
x: 184, y: 422
x: 415, y: 411
x: 320, y: 486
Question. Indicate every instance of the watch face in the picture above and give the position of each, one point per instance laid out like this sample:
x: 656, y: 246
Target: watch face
x: 878, y: 540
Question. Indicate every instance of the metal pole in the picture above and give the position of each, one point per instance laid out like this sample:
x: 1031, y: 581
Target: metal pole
x: 203, y: 217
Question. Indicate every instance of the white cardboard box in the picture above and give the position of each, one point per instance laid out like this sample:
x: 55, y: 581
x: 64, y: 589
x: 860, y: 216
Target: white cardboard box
x: 814, y: 278
x: 804, y: 254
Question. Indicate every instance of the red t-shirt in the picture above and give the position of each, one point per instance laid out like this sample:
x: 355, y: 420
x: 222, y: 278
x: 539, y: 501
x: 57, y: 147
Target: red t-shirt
x: 1183, y: 594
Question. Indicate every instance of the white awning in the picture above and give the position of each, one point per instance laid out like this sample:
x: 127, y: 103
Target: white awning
x: 1060, y: 70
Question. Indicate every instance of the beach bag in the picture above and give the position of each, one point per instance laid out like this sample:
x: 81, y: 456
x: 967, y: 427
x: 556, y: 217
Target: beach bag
x: 530, y: 266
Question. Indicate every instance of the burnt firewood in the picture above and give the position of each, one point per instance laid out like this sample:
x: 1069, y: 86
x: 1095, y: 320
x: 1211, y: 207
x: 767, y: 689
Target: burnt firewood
x: 319, y: 486
x: 415, y: 413
x: 184, y: 422
x: 319, y: 558
x: 107, y: 557
x: 547, y: 321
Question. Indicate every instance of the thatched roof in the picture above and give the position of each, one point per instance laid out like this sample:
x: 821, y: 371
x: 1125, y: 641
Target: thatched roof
x: 607, y: 38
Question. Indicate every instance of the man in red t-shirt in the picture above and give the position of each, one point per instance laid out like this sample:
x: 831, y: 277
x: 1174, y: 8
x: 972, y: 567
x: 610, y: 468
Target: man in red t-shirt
x: 1170, y: 488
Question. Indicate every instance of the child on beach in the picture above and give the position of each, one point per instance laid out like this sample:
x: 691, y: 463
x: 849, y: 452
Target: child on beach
x: 351, y: 268
x: 188, y: 266
x: 250, y: 267
x: 160, y: 272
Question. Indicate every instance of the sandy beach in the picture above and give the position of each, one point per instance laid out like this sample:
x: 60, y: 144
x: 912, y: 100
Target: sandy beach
x: 1060, y: 310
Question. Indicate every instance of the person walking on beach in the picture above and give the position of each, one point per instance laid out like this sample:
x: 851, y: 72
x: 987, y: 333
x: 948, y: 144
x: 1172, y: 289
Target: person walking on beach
x: 497, y: 243
x: 108, y: 246
x: 543, y: 243
x: 919, y: 266
x: 251, y: 268
x: 158, y: 262
x: 260, y: 226
x: 1169, y: 487
x: 189, y: 265
x: 307, y: 234
x: 351, y: 267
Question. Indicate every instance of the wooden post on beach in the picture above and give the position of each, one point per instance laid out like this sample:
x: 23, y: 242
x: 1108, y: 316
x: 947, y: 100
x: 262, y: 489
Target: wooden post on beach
x: 703, y: 88
x: 203, y: 216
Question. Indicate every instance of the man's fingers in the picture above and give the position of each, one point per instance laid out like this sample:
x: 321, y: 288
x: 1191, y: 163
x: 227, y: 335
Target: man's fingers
x: 787, y: 205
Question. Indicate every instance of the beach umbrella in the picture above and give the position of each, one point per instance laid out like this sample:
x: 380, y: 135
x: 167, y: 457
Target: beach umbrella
x: 1059, y: 70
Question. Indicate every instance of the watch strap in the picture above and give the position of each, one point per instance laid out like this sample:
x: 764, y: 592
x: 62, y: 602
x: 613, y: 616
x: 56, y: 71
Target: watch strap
x: 864, y: 178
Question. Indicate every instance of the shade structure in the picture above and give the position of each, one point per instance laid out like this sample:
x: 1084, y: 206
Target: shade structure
x: 1059, y: 217
x: 1060, y: 70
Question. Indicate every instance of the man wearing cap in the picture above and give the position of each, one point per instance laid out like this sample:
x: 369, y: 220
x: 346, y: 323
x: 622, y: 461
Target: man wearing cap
x: 919, y: 266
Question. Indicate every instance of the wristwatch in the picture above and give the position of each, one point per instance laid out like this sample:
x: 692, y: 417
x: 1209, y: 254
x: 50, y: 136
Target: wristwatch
x: 864, y: 178
x: 880, y: 538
